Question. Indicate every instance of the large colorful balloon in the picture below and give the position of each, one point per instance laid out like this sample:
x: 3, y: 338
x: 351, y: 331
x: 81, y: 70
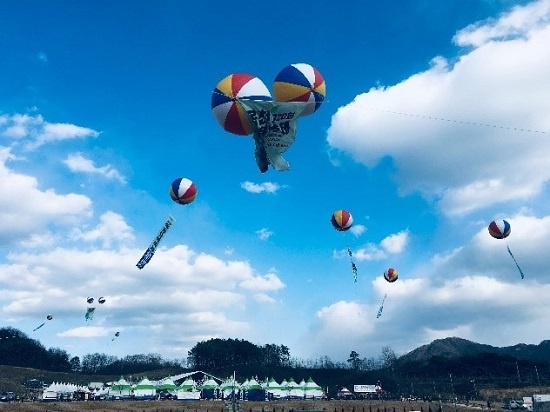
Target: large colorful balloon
x: 300, y: 82
x: 341, y: 220
x: 499, y: 229
x: 183, y: 191
x: 225, y: 105
x: 391, y: 275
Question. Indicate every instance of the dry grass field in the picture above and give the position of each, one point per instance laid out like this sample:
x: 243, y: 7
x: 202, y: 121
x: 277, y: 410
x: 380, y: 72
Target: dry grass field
x: 218, y: 406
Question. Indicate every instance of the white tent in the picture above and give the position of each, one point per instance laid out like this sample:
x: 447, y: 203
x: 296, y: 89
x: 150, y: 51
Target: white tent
x: 230, y: 387
x: 188, y: 391
x: 294, y: 390
x: 144, y: 390
x: 61, y: 391
x: 312, y: 390
x: 274, y: 389
x: 167, y: 384
x: 120, y: 389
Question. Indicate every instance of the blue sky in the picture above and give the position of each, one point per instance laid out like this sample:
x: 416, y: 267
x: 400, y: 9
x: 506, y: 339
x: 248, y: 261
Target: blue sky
x: 102, y: 105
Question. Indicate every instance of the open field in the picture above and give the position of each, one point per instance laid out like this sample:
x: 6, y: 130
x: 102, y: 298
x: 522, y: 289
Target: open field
x: 218, y: 406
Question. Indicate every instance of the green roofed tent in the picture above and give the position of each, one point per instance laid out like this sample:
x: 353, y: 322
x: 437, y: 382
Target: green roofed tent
x: 209, y: 389
x: 145, y: 390
x: 167, y: 384
x: 230, y: 387
x: 253, y: 391
x: 312, y: 390
x: 188, y: 390
x: 120, y: 389
x: 295, y: 391
x: 274, y: 389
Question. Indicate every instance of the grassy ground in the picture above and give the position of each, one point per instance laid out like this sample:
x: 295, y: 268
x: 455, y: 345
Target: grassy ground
x: 218, y: 406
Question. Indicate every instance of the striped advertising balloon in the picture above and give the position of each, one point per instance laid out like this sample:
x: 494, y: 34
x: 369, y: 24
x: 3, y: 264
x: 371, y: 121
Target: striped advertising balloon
x: 183, y: 191
x: 499, y: 229
x: 225, y: 101
x: 391, y: 275
x: 341, y: 220
x: 300, y: 82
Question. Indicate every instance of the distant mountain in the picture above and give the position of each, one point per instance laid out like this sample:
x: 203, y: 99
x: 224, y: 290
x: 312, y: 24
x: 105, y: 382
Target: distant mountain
x: 454, y: 348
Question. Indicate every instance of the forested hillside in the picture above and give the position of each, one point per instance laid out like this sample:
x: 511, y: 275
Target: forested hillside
x: 446, y: 368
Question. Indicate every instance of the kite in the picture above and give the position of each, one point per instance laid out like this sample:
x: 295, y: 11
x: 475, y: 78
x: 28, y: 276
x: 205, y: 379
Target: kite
x: 353, y: 266
x: 91, y: 309
x: 148, y: 255
x: 101, y: 300
x: 183, y: 191
x: 49, y: 317
x: 515, y: 261
x: 501, y: 229
x: 117, y: 334
x: 341, y: 221
x: 381, y: 307
x: 242, y: 105
x: 89, y: 314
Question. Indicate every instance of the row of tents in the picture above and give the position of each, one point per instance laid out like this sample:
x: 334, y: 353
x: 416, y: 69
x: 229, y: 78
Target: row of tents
x: 184, y: 387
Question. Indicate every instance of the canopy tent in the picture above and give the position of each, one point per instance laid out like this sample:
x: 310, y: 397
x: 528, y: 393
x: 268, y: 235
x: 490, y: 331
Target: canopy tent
x: 312, y: 390
x: 253, y: 391
x: 188, y: 390
x: 344, y: 393
x: 229, y: 388
x: 274, y: 389
x: 145, y: 390
x: 120, y: 389
x: 294, y: 390
x: 167, y: 384
x: 209, y: 389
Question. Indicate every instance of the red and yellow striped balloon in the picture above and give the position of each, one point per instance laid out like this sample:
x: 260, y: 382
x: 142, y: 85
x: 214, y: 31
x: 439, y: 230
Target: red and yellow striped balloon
x: 225, y: 101
x: 300, y: 82
x: 341, y: 220
x: 391, y: 275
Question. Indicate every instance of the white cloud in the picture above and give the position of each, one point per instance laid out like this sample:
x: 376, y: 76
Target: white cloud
x: 437, y: 125
x: 201, y: 293
x: 514, y: 25
x: 390, y: 245
x: 394, y: 244
x: 85, y: 332
x: 19, y: 196
x: 78, y: 163
x: 358, y: 230
x: 267, y: 187
x: 38, y: 131
x: 112, y: 226
x: 264, y: 299
x: 264, y: 233
x: 269, y: 282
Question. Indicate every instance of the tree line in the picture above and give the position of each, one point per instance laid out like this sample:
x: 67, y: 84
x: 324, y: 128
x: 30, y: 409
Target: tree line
x: 436, y: 377
x: 18, y: 349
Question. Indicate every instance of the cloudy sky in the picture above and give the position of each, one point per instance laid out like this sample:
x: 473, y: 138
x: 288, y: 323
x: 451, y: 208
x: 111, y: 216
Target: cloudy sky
x: 435, y: 123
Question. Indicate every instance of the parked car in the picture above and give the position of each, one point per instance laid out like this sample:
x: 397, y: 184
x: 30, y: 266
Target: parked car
x: 512, y: 404
x: 7, y: 397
